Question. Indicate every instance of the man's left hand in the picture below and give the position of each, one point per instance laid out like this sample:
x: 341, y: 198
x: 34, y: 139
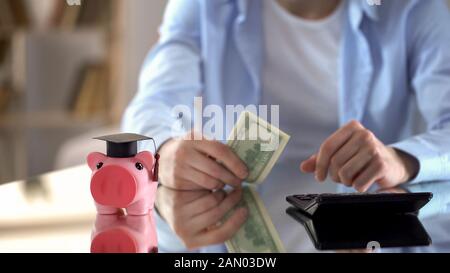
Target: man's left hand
x: 354, y: 157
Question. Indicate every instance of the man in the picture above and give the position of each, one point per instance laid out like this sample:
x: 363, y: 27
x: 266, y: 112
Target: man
x: 363, y: 90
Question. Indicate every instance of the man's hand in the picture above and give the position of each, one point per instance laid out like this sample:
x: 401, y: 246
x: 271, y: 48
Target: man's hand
x: 354, y: 157
x: 195, y: 216
x: 188, y: 164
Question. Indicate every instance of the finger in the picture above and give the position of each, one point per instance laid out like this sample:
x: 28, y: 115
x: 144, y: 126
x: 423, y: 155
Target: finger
x: 369, y: 176
x: 169, y: 201
x: 391, y: 190
x: 186, y: 197
x: 205, y: 203
x: 184, y: 184
x: 177, y: 198
x: 309, y: 165
x: 222, y: 233
x: 343, y: 155
x: 209, y: 166
x: 354, y: 166
x: 216, y: 214
x: 203, y: 180
x: 331, y: 145
x: 225, y: 155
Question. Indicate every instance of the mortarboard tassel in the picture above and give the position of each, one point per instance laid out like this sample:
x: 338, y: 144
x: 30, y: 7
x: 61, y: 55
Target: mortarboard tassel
x: 156, y: 166
x: 155, y: 169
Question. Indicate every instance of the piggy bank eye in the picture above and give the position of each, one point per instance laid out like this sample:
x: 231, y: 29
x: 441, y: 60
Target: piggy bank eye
x: 99, y: 165
x: 139, y: 166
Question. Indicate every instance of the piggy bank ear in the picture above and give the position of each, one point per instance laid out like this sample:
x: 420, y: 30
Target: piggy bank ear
x: 94, y: 158
x: 146, y: 158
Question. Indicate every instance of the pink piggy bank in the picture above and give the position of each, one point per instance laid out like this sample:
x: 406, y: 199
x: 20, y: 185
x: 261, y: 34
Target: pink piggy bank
x: 124, y: 234
x: 123, y: 178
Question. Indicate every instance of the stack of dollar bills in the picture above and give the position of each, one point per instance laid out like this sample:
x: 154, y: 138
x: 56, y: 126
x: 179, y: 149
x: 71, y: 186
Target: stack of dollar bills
x: 259, y: 145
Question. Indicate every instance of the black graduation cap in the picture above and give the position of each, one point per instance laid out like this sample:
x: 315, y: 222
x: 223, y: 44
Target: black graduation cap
x: 122, y: 145
x: 125, y: 146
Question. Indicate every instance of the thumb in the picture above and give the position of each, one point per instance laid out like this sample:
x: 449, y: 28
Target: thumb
x: 309, y: 165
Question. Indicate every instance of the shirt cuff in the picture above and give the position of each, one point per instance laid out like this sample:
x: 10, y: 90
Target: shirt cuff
x: 433, y: 166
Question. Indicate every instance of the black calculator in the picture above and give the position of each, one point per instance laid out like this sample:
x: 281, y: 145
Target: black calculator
x: 353, y: 221
x: 360, y: 203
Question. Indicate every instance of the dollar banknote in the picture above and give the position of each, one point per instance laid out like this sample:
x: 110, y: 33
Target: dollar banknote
x: 258, y: 144
x: 258, y: 234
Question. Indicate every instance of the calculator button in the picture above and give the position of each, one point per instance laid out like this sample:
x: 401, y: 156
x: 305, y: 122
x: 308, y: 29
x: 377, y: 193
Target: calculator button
x: 307, y: 197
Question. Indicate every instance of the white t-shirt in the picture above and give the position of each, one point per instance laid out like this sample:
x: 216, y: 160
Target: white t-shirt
x: 301, y: 75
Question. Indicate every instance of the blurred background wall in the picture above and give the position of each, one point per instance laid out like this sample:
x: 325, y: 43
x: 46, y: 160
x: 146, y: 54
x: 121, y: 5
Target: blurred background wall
x: 66, y: 73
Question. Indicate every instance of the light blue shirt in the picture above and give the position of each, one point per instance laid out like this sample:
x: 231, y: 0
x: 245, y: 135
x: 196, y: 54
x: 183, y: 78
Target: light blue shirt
x: 394, y: 78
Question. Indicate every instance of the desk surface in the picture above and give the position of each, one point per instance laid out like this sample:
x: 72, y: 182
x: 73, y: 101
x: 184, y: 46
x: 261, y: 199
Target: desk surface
x: 55, y: 213
x: 50, y: 213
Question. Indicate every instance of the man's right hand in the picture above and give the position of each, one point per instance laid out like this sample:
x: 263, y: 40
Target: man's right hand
x: 188, y: 164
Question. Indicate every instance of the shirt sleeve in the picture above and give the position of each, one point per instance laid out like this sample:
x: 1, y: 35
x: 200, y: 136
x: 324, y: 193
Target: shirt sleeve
x: 429, y: 67
x: 170, y: 77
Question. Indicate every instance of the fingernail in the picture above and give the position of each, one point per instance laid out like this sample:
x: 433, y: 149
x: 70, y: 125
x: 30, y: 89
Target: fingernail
x: 318, y: 177
x: 302, y: 165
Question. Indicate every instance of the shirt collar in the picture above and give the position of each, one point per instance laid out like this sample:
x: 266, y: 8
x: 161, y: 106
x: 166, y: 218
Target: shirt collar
x: 358, y: 8
x: 371, y: 10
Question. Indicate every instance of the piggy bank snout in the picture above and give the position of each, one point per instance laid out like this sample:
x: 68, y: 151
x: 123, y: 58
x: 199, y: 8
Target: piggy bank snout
x: 113, y: 186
